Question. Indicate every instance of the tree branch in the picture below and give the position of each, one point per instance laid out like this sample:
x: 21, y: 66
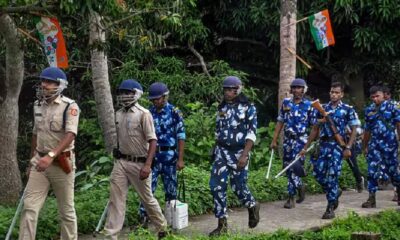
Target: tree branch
x: 26, y: 9
x: 219, y: 40
x: 201, y: 59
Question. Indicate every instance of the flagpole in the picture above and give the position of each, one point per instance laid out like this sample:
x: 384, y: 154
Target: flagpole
x: 293, y: 23
x: 298, y: 57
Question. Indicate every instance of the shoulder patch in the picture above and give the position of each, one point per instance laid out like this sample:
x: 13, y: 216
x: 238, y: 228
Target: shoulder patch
x: 73, y: 111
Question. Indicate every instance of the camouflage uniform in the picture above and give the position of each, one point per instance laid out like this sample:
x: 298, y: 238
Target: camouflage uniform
x: 169, y: 130
x: 381, y: 122
x: 236, y: 123
x: 297, y: 119
x: 328, y: 166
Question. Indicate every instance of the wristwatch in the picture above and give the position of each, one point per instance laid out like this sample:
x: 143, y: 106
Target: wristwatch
x: 348, y: 147
x: 51, y: 154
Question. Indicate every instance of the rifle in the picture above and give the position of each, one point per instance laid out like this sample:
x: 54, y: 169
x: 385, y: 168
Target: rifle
x: 339, y: 139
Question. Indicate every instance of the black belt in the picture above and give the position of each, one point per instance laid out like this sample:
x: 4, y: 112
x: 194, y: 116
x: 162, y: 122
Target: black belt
x: 165, y: 148
x: 131, y: 158
x: 231, y: 148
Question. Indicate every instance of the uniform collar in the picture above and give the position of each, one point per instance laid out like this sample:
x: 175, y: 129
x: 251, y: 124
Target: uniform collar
x: 57, y: 100
x: 301, y: 100
x: 163, y: 109
x: 338, y: 106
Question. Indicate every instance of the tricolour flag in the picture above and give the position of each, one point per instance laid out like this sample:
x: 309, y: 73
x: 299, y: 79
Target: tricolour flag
x: 53, y: 41
x: 321, y: 29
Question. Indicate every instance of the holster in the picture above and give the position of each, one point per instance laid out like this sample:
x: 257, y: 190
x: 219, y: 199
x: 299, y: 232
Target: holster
x: 64, y: 162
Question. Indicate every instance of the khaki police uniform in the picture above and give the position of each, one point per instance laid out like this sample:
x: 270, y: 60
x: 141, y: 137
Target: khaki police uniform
x: 135, y: 129
x: 49, y: 129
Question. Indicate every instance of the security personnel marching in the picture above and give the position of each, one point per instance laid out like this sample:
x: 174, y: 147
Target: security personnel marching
x: 380, y: 144
x: 53, y: 158
x: 171, y: 137
x: 137, y: 144
x: 295, y: 117
x: 332, y: 131
x: 235, y: 136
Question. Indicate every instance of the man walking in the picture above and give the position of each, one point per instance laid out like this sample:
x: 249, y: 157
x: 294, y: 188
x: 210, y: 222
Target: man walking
x: 331, y: 121
x: 53, y: 158
x: 235, y: 136
x: 133, y: 158
x: 170, y: 132
x: 295, y: 117
x: 380, y: 145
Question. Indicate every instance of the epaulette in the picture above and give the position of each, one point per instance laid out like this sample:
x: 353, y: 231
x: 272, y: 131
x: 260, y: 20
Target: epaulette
x: 139, y: 107
x: 67, y: 100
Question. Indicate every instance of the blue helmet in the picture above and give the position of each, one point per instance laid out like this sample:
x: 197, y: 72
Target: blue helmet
x: 125, y: 99
x: 53, y: 74
x: 231, y: 81
x: 130, y: 85
x: 158, y: 90
x: 298, y: 82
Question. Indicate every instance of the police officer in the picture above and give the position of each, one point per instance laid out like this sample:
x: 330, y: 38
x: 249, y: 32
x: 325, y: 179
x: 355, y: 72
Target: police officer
x: 53, y: 159
x: 328, y: 166
x: 170, y: 131
x: 136, y: 147
x: 235, y: 135
x: 380, y: 144
x: 295, y: 117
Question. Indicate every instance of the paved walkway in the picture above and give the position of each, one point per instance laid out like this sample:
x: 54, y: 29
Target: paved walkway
x: 306, y: 216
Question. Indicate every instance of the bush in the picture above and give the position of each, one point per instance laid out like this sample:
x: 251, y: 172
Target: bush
x: 89, y: 204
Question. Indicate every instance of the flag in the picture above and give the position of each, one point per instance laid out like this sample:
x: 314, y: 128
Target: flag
x: 321, y: 29
x: 53, y: 41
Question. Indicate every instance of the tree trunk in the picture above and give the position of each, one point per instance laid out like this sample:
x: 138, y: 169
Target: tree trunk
x: 10, y: 87
x: 287, y: 66
x: 101, y: 84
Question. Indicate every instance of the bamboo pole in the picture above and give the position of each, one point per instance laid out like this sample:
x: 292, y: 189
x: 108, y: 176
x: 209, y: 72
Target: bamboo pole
x: 29, y: 36
x: 299, y: 58
x: 301, y: 20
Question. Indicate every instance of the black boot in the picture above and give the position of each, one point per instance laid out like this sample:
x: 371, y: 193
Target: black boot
x: 371, y: 202
x: 289, y: 203
x: 329, y: 213
x: 221, y: 229
x: 254, y: 215
x: 336, y: 204
x: 398, y: 195
x: 301, y: 193
x: 162, y: 234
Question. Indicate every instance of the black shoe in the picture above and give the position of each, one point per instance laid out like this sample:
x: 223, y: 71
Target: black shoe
x: 371, y: 202
x: 254, y: 215
x: 221, y: 229
x: 290, y: 203
x: 301, y: 193
x: 398, y: 195
x: 329, y: 213
x: 336, y: 203
x: 162, y: 234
